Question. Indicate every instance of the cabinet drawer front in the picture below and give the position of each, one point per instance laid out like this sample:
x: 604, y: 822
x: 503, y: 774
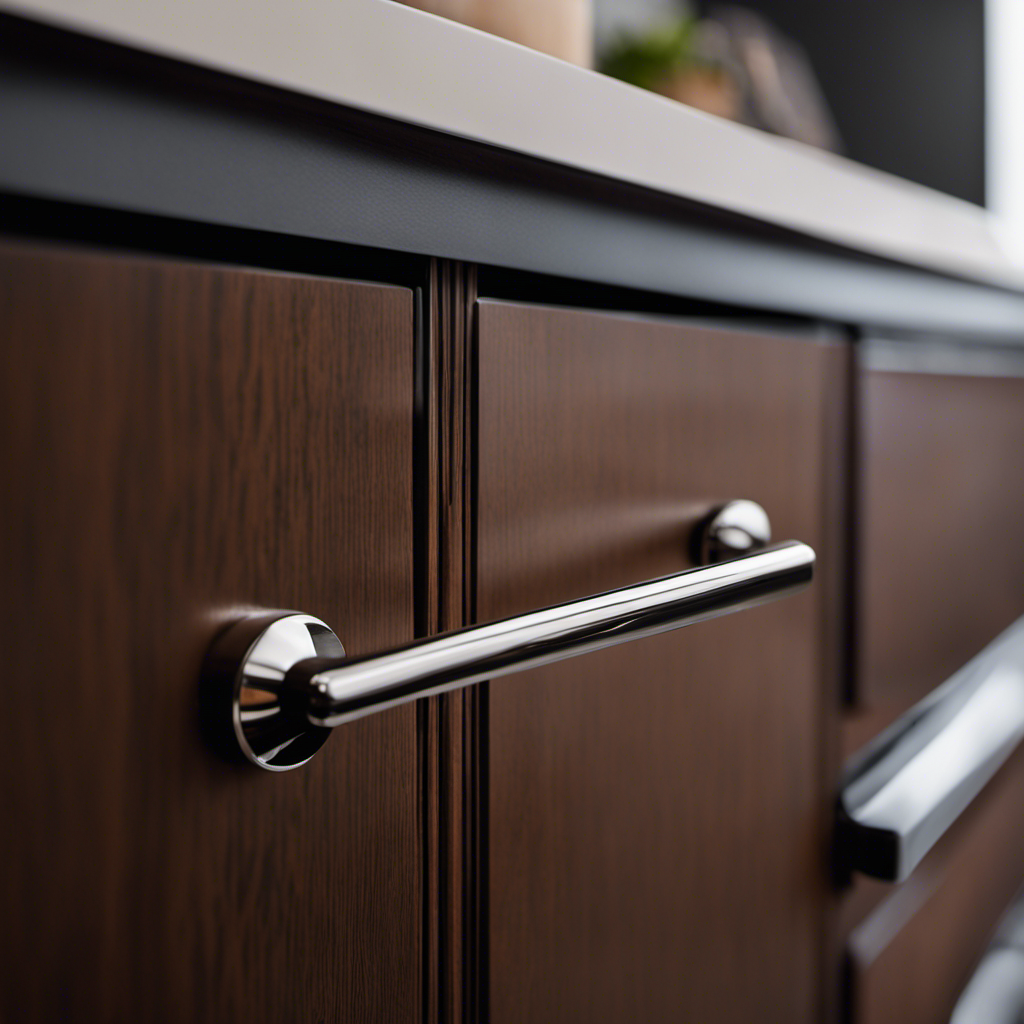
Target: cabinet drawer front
x: 941, y: 526
x: 915, y: 952
x: 181, y: 442
x: 657, y: 810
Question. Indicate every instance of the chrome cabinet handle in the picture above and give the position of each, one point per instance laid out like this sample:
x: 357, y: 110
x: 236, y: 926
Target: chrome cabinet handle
x: 275, y: 684
x: 906, y: 788
x: 995, y: 993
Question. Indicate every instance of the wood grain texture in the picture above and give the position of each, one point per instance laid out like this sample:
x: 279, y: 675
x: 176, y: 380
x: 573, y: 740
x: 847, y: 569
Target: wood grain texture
x: 658, y: 811
x: 181, y: 442
x: 914, y: 954
x: 941, y: 539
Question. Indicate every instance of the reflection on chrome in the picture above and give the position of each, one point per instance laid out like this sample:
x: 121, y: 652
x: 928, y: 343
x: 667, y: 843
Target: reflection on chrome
x: 908, y: 787
x: 995, y: 994
x: 283, y: 680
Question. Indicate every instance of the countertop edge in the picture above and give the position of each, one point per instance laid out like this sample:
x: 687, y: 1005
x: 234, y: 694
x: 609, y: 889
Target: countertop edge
x: 382, y: 57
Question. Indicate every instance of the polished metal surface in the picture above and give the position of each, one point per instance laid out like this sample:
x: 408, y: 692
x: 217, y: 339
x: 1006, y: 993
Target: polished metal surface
x: 734, y: 529
x: 357, y: 686
x: 244, y: 679
x: 995, y: 993
x: 907, y: 787
x: 297, y: 703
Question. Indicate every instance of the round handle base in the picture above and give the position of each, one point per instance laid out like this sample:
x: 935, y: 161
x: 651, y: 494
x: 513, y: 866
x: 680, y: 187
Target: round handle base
x: 243, y: 683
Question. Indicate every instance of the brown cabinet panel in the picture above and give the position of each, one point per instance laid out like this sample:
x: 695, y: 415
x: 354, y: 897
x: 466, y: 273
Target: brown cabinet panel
x: 181, y: 442
x: 914, y: 954
x: 941, y: 530
x: 658, y: 811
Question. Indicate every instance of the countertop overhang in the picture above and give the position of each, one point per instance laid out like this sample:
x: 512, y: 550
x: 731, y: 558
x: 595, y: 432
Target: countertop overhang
x: 384, y: 58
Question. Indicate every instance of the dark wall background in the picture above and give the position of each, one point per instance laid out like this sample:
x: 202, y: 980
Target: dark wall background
x: 905, y: 80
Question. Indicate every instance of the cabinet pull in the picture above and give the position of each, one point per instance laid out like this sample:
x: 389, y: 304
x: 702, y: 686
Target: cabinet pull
x: 908, y: 786
x: 995, y: 993
x: 275, y: 684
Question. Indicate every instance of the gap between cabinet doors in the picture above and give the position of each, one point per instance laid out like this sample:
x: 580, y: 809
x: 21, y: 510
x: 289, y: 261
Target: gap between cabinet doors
x: 452, y: 727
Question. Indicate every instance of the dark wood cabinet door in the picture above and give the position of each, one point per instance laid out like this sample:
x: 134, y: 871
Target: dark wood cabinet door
x: 941, y: 539
x: 180, y: 443
x: 658, y: 811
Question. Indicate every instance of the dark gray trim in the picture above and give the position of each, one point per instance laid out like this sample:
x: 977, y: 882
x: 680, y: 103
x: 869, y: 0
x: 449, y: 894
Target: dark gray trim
x: 923, y: 354
x: 76, y: 134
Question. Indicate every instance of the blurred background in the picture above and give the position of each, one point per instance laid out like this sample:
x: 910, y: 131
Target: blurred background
x: 902, y: 80
x: 929, y: 90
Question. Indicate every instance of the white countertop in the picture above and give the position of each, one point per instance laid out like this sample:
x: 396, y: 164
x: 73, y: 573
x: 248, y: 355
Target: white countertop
x: 388, y: 59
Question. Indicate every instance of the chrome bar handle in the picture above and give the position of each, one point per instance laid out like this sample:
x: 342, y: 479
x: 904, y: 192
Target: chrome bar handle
x: 907, y: 787
x: 995, y: 993
x: 283, y: 681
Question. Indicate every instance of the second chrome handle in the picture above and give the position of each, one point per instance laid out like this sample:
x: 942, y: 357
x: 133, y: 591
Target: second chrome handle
x: 284, y: 682
x: 911, y: 784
